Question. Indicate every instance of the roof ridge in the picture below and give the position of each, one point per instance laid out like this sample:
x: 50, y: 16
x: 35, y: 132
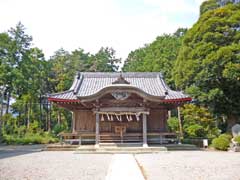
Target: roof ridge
x: 124, y: 74
x: 166, y: 88
x: 78, y: 83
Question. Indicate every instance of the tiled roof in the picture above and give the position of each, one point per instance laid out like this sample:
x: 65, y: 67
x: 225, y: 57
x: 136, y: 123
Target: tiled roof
x: 64, y: 95
x: 87, y: 84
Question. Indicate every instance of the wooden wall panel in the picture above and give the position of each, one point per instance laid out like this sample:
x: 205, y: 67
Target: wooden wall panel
x: 85, y: 121
x: 156, y: 120
x: 133, y: 126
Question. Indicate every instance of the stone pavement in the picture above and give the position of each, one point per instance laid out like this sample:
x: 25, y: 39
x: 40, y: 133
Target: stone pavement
x: 124, y: 167
x: 31, y: 164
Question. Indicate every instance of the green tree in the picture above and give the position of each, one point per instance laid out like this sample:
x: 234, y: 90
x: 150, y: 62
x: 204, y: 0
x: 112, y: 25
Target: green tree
x: 208, y: 5
x: 104, y: 61
x: 207, y: 66
x: 158, y: 56
x: 198, y: 122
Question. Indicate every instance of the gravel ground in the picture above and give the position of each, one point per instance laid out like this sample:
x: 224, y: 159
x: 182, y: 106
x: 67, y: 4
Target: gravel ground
x: 191, y: 165
x: 29, y: 163
x: 54, y: 166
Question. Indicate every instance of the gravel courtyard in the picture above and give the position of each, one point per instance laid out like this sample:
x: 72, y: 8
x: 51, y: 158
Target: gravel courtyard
x: 191, y: 165
x: 49, y: 165
x: 179, y: 165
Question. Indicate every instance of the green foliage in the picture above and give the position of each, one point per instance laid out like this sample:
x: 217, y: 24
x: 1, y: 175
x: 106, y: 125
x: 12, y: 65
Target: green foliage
x: 208, y: 5
x: 173, y: 124
x: 207, y: 66
x: 159, y: 56
x: 222, y: 142
x: 195, y: 130
x: 28, y: 138
x: 64, y: 65
x: 237, y: 139
x: 28, y: 77
x: 198, y: 122
x: 58, y: 128
x: 13, y: 134
x: 9, y: 124
x: 226, y: 136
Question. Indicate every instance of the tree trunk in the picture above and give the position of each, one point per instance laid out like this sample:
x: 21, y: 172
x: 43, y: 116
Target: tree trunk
x: 8, y: 101
x: 46, y: 123
x: 1, y: 114
x: 25, y: 114
x: 59, y: 117
x: 28, y: 118
x: 40, y: 108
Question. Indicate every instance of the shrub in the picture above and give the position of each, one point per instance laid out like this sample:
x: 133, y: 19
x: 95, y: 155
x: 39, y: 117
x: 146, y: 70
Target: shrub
x: 195, y: 130
x: 237, y: 139
x: 173, y: 124
x: 30, y: 138
x: 58, y: 128
x: 198, y: 122
x: 222, y: 142
x: 33, y: 127
x: 227, y: 136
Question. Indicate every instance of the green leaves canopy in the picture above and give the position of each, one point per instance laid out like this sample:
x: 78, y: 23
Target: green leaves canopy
x: 207, y: 66
x: 159, y: 56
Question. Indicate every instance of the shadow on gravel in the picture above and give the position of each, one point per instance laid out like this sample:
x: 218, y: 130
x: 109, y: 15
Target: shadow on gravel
x: 7, y: 151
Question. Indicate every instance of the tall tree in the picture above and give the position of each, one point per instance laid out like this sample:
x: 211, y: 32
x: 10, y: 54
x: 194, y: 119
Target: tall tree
x: 104, y: 60
x: 159, y: 56
x: 208, y: 63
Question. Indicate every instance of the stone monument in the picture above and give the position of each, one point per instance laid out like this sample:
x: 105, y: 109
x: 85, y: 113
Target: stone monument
x: 235, y: 132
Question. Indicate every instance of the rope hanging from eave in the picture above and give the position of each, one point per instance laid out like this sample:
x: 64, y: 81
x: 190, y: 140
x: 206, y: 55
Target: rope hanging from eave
x: 110, y: 116
x: 102, y: 118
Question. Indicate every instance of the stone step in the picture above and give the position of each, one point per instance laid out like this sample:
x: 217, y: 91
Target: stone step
x: 130, y: 148
x: 120, y: 144
x: 60, y: 147
x: 119, y: 150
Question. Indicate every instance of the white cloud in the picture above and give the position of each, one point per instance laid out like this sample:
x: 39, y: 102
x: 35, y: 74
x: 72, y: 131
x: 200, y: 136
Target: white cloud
x: 91, y: 24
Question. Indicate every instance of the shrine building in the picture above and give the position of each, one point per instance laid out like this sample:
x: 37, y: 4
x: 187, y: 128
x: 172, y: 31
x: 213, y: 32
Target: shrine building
x: 119, y: 107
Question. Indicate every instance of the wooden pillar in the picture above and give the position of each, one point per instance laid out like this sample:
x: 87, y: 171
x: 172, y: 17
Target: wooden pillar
x: 73, y: 122
x: 97, y: 131
x: 169, y: 114
x: 180, y: 125
x: 145, y: 130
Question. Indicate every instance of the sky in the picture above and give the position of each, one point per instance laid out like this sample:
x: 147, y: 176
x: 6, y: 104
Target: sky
x: 124, y: 25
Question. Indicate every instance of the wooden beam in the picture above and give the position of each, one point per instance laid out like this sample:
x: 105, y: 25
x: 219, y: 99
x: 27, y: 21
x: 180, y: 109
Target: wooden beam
x: 145, y: 130
x: 73, y: 122
x: 97, y: 131
x: 169, y: 114
x: 180, y: 124
x: 123, y: 109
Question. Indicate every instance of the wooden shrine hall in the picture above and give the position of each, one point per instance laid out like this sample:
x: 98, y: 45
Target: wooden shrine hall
x: 119, y: 107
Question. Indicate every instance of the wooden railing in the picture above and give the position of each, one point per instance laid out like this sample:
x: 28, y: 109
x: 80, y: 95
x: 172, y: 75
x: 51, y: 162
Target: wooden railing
x: 104, y: 137
x: 77, y: 137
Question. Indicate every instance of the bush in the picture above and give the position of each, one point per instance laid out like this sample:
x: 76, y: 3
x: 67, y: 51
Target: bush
x: 227, y: 136
x: 222, y: 142
x: 198, y: 122
x: 237, y: 139
x: 30, y: 138
x: 58, y: 128
x: 173, y: 124
x: 195, y: 130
